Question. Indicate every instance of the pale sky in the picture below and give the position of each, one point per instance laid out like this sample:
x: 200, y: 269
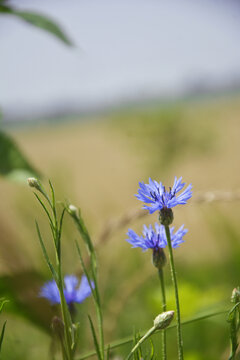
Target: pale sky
x: 123, y: 49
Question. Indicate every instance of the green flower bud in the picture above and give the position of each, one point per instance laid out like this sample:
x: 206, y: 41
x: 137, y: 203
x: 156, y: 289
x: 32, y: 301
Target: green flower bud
x: 159, y: 258
x: 235, y: 298
x: 166, y: 216
x: 163, y: 320
x: 32, y: 182
x: 73, y: 210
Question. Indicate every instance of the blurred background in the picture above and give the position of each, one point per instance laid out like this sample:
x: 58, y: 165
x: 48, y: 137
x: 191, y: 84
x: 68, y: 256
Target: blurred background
x: 145, y: 89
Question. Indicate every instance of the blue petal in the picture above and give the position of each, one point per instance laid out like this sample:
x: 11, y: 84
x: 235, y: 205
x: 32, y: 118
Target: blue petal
x: 84, y: 290
x: 50, y: 292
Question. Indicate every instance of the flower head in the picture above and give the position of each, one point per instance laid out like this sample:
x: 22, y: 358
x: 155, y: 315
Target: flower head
x: 72, y: 292
x: 155, y: 239
x: 156, y: 195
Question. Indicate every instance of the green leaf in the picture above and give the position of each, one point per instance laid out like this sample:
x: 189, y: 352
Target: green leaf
x: 2, y: 303
x: 95, y: 338
x: 13, y: 163
x: 41, y: 21
x: 2, y: 335
x: 45, y: 254
x: 93, y: 289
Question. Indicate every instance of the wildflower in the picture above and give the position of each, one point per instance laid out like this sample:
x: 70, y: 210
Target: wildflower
x: 155, y: 239
x: 156, y: 195
x: 72, y: 292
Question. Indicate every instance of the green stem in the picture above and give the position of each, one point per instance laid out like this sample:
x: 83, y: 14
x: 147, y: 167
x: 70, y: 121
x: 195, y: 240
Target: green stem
x: 93, y: 262
x: 64, y: 307
x: 233, y: 319
x: 66, y: 318
x: 174, y: 279
x: 164, y: 308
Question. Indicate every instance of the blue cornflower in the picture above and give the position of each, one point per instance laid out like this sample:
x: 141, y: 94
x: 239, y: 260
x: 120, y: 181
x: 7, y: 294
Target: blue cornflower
x: 155, y: 194
x: 155, y: 239
x: 72, y: 292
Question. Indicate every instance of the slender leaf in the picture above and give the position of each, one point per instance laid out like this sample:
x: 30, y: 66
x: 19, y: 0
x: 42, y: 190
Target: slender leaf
x: 86, y: 272
x: 61, y: 222
x: 54, y: 274
x: 2, y: 335
x: 152, y: 349
x: 2, y: 303
x: 108, y: 351
x: 45, y: 209
x: 38, y: 20
x: 95, y: 338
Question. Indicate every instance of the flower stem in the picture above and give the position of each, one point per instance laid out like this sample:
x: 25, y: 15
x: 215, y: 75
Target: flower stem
x: 174, y: 279
x: 66, y: 320
x: 164, y: 308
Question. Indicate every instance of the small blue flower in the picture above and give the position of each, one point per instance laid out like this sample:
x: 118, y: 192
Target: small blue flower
x: 72, y: 292
x: 155, y: 239
x: 155, y: 194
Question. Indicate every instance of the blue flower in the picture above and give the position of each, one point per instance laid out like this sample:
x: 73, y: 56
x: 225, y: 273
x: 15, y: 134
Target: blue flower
x: 155, y: 239
x: 156, y: 195
x: 72, y: 292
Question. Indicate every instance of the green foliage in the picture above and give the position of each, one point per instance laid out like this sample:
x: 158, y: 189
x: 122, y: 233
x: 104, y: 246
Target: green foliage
x: 14, y: 164
x: 38, y: 20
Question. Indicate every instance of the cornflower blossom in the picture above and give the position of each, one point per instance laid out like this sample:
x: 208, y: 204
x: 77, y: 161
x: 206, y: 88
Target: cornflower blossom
x: 72, y: 292
x: 156, y: 195
x: 155, y: 239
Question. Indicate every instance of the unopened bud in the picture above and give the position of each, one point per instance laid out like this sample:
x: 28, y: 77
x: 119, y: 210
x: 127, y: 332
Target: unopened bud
x: 32, y: 182
x: 73, y: 210
x: 235, y: 298
x: 166, y: 216
x: 159, y: 258
x: 163, y: 320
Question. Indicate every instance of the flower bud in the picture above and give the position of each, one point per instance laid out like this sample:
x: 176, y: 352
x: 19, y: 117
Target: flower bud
x: 158, y: 258
x: 73, y: 210
x: 235, y: 298
x: 166, y: 216
x: 163, y: 320
x: 32, y: 182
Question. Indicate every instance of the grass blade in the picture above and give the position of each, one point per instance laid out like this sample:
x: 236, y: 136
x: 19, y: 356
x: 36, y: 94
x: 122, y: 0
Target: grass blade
x: 95, y: 338
x: 85, y: 271
x: 2, y: 335
x: 45, y: 254
x: 45, y: 209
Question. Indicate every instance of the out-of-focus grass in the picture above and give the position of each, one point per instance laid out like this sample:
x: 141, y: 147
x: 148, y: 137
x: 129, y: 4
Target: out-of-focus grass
x: 97, y: 165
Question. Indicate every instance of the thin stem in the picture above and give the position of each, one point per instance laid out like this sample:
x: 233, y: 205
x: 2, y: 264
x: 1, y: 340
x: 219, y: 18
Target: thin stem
x: 233, y: 319
x: 93, y: 262
x: 174, y: 279
x: 65, y: 315
x: 64, y: 307
x: 164, y: 308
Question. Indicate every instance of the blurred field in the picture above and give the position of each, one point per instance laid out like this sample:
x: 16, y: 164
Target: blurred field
x: 97, y: 165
